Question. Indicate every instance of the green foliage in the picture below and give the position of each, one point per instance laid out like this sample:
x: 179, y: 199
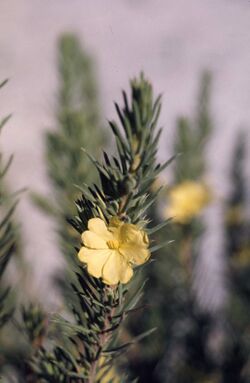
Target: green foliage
x: 124, y: 192
x: 124, y: 180
x: 34, y: 320
x: 29, y: 327
x: 7, y: 245
x: 237, y: 348
x: 77, y: 117
x: 7, y: 234
x: 90, y: 341
x: 78, y: 125
x: 178, y: 351
x: 191, y: 137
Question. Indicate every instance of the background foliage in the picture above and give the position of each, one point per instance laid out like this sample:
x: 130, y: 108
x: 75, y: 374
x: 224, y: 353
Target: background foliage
x: 183, y: 349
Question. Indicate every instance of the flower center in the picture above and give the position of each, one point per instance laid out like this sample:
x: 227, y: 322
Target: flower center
x: 113, y: 244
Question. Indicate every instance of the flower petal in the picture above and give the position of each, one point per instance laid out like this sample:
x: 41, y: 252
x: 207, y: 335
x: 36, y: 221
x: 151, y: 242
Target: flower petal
x: 116, y: 270
x: 134, y: 254
x: 95, y: 260
x: 126, y: 274
x: 93, y: 240
x: 128, y: 232
x: 110, y: 271
x: 132, y: 234
x: 98, y: 226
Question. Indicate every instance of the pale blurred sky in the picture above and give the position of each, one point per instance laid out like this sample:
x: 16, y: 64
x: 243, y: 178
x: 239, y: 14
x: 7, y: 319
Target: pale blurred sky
x: 171, y: 41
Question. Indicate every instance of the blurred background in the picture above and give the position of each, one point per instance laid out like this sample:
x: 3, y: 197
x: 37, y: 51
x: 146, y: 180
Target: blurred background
x: 196, y: 54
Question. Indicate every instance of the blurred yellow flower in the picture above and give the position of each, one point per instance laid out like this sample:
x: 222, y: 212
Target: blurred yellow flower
x: 111, y: 252
x: 186, y: 200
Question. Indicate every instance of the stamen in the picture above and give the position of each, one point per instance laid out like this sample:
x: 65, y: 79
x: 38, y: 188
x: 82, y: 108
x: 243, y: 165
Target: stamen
x: 113, y: 244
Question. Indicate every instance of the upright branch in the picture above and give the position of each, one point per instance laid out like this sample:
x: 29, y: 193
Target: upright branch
x: 78, y: 125
x: 235, y: 367
x: 112, y: 222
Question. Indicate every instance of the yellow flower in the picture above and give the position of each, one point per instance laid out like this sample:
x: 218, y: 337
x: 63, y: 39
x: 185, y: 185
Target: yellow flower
x: 187, y: 200
x: 111, y: 252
